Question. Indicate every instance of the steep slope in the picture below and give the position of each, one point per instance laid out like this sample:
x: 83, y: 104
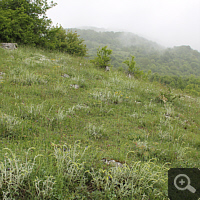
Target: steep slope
x: 74, y: 115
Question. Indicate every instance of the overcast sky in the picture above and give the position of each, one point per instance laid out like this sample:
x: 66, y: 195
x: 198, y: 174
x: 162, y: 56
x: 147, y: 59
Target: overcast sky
x: 167, y: 22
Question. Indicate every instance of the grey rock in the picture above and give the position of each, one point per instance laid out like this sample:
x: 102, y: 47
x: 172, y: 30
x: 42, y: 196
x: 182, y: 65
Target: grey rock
x: 75, y: 86
x: 65, y: 76
x: 10, y: 46
x: 112, y: 162
x: 107, y: 68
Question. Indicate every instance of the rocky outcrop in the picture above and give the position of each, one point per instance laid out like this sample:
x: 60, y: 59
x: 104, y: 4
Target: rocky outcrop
x: 10, y: 46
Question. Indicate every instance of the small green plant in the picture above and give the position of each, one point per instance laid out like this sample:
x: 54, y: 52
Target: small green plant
x: 132, y: 69
x: 103, y: 57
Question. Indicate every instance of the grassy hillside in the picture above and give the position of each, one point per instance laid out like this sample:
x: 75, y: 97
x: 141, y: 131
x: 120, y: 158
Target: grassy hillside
x: 60, y: 116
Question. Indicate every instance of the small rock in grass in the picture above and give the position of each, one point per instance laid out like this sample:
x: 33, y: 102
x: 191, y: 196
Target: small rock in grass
x: 107, y: 68
x: 10, y: 46
x: 112, y: 162
x: 75, y: 86
x: 65, y: 76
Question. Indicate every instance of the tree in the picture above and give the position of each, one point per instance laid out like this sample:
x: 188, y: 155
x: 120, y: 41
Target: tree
x: 66, y: 42
x: 132, y: 69
x: 130, y: 64
x: 24, y: 21
x: 103, y: 57
x: 75, y: 45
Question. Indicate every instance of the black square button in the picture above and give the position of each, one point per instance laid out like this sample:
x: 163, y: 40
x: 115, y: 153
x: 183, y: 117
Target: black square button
x: 184, y: 184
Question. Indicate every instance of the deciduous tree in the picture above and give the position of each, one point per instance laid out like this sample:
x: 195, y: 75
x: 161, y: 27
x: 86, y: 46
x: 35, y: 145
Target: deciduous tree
x: 24, y: 21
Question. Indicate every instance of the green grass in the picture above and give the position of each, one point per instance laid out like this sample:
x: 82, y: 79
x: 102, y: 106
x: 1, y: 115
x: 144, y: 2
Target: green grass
x: 53, y: 136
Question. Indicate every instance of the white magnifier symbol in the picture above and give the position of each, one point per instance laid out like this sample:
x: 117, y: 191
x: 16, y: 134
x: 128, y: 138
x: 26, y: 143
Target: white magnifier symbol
x: 181, y: 182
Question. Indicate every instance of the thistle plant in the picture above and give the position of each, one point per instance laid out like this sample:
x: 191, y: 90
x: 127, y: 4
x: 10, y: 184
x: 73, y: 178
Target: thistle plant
x: 35, y: 110
x: 180, y: 151
x: 95, y: 131
x: 108, y: 96
x: 44, y: 189
x: 9, y: 122
x: 138, y: 179
x: 169, y: 110
x: 77, y: 107
x: 27, y: 78
x: 68, y: 162
x: 61, y: 113
x: 14, y: 172
x: 60, y: 88
x: 136, y: 115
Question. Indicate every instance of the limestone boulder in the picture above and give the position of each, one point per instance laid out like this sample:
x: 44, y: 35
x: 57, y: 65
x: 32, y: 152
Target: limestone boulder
x: 10, y: 46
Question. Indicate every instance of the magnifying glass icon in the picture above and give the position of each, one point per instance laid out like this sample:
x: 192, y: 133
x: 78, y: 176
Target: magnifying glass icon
x: 181, y: 182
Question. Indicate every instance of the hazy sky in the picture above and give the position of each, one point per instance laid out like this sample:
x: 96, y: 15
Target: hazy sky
x: 168, y: 22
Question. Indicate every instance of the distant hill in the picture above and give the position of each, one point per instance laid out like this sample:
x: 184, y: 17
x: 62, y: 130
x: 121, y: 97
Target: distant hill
x: 179, y: 61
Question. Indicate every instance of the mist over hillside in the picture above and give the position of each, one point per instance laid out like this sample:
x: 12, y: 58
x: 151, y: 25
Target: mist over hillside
x: 120, y: 37
x: 179, y: 61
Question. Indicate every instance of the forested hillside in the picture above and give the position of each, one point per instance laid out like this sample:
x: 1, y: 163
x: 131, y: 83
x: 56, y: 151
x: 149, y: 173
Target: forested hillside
x: 180, y: 61
x: 178, y: 67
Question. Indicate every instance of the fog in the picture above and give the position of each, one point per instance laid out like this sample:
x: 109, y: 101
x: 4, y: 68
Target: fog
x: 167, y: 22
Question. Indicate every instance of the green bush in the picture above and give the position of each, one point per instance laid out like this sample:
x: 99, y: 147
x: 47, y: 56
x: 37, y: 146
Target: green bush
x: 103, y: 57
x: 58, y: 39
x: 75, y: 44
x: 25, y: 22
x: 132, y: 69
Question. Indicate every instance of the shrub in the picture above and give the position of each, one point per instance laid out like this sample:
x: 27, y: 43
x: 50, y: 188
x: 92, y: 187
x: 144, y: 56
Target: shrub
x: 132, y: 69
x: 66, y: 42
x: 103, y: 57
